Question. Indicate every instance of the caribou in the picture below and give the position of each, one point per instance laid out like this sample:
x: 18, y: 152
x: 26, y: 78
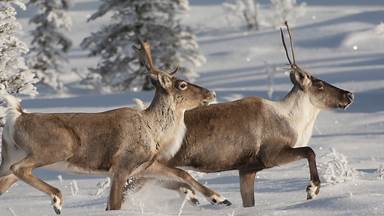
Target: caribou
x: 253, y: 134
x: 119, y: 143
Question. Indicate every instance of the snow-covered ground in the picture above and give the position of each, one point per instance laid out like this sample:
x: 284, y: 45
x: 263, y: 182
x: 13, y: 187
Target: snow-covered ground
x: 339, y: 41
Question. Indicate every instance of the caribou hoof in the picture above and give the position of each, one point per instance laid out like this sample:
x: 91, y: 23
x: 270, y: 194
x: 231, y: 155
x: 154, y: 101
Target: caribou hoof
x: 226, y: 203
x: 56, y: 205
x: 312, y: 190
x: 57, y: 210
x: 219, y: 200
x: 194, y: 201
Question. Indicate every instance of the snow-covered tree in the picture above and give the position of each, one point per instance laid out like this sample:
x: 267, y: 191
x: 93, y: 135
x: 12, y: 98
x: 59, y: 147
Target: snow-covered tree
x: 49, y: 44
x: 15, y: 76
x: 157, y: 21
x: 285, y: 10
x: 380, y: 172
x: 246, y: 10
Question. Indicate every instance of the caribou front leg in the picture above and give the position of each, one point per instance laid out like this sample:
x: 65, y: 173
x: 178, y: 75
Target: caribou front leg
x: 125, y: 167
x: 135, y: 184
x: 116, y: 194
x: 184, y: 189
x: 247, y: 182
x: 293, y: 154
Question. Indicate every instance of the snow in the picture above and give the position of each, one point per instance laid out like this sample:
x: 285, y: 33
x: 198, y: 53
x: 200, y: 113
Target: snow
x: 235, y: 68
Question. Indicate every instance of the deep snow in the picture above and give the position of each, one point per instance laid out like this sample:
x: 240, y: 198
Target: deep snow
x: 339, y: 41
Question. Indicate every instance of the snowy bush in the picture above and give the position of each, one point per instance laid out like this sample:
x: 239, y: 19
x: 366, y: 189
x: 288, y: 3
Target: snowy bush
x: 273, y: 14
x: 74, y: 188
x: 102, y: 186
x: 285, y: 10
x: 245, y: 10
x: 334, y: 168
x: 380, y: 172
x: 15, y: 76
x: 49, y: 44
x: 157, y: 21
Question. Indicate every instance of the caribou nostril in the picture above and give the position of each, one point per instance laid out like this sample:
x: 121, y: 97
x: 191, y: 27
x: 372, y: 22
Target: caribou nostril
x: 213, y: 93
x: 350, y: 96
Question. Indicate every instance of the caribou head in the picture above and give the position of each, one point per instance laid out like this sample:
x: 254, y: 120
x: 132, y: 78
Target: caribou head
x: 321, y: 94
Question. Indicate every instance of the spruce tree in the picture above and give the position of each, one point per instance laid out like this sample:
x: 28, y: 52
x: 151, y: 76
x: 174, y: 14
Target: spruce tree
x: 15, y: 76
x: 49, y: 45
x: 157, y: 21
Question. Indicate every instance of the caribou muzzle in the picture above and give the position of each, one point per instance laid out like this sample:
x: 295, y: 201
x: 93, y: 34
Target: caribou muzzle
x: 209, y: 97
x: 348, y: 98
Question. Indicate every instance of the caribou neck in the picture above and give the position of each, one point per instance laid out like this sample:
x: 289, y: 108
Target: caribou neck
x: 162, y: 116
x: 301, y: 113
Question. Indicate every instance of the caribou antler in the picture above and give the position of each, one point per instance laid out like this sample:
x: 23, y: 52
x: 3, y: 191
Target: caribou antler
x: 291, y: 43
x: 173, y: 72
x: 145, y: 55
x: 292, y: 63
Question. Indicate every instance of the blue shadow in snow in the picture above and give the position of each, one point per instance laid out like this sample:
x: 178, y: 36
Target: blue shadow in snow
x: 110, y: 100
x: 46, y: 174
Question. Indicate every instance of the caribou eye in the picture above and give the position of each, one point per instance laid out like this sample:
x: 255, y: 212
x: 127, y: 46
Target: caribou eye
x: 182, y: 86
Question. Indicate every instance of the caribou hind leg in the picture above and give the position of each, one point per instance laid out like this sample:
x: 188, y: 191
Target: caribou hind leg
x: 4, y: 168
x: 6, y: 182
x: 9, y: 155
x: 23, y: 170
x: 293, y: 154
x: 126, y: 166
x: 7, y: 178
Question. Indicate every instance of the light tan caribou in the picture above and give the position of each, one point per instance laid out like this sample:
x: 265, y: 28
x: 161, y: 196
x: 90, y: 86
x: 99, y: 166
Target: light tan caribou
x: 253, y: 133
x: 118, y: 143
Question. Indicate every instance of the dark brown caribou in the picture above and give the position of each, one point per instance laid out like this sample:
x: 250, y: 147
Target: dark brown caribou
x: 254, y: 133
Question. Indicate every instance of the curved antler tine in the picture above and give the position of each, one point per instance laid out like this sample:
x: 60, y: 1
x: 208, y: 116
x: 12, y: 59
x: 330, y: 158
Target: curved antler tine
x: 291, y: 43
x: 138, y: 51
x: 148, y: 55
x: 285, y: 47
x: 136, y: 47
x: 145, y: 55
x: 173, y: 72
x: 140, y: 40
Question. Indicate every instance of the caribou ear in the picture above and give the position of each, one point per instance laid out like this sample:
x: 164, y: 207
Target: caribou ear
x: 300, y: 78
x: 164, y: 80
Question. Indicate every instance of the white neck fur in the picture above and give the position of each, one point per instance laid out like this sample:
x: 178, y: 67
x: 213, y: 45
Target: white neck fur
x: 301, y: 114
x: 168, y: 125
